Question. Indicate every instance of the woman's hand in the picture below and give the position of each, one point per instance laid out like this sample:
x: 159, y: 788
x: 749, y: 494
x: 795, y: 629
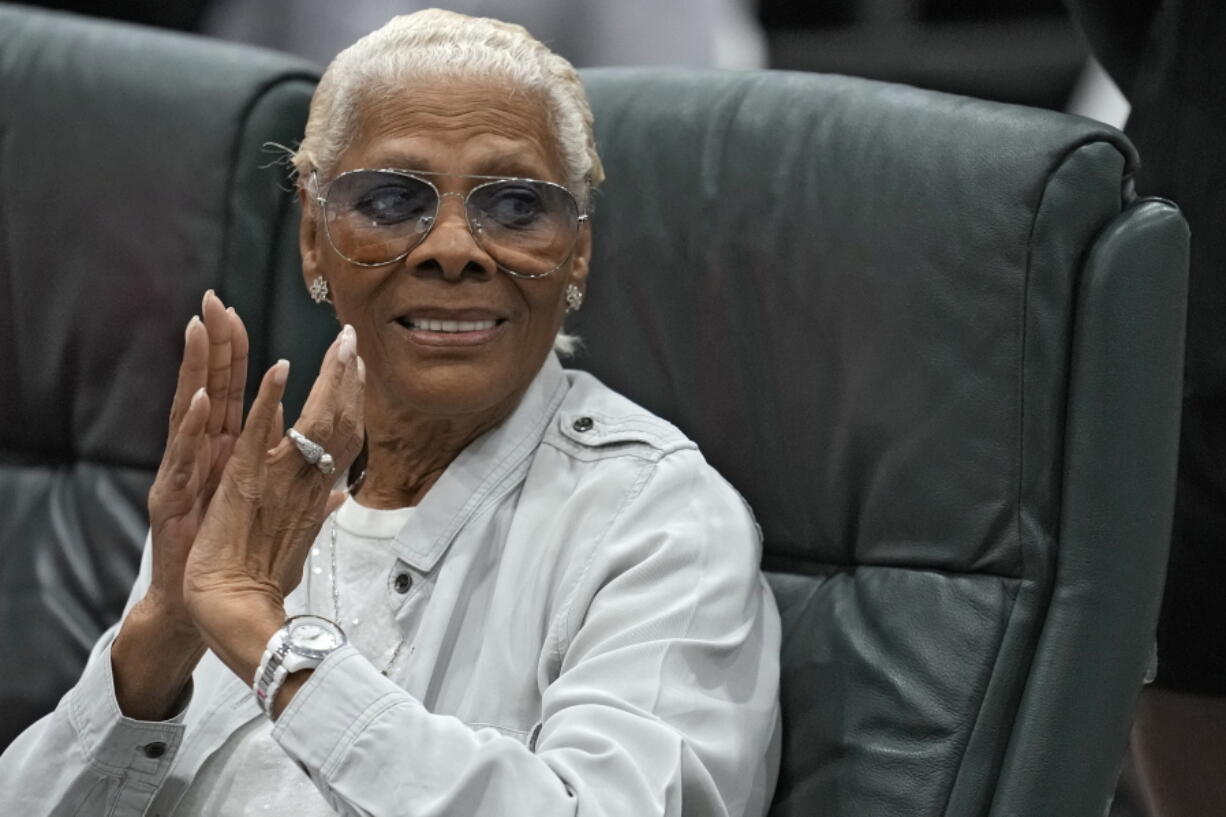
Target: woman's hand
x: 205, y: 421
x: 268, y: 509
x: 158, y: 645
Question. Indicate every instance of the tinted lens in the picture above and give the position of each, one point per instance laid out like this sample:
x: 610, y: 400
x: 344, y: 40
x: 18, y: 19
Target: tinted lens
x: 373, y: 216
x: 528, y: 227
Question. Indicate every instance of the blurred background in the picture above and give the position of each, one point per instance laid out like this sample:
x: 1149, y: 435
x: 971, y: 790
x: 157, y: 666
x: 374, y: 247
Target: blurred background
x: 1021, y: 51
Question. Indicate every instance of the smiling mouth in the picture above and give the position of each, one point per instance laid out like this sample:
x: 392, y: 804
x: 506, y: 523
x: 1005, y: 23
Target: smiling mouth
x: 455, y: 331
x: 451, y: 327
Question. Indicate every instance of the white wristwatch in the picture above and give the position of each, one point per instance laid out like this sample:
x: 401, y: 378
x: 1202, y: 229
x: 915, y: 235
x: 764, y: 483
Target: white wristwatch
x: 303, y: 642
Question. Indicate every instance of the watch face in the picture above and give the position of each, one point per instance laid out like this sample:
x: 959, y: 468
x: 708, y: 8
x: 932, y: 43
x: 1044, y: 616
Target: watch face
x: 314, y: 636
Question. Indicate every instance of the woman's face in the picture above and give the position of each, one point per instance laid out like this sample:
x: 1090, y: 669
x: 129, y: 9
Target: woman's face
x: 413, y: 368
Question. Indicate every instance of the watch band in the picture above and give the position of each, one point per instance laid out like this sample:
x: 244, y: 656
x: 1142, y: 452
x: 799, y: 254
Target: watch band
x: 271, y: 673
x: 281, y: 657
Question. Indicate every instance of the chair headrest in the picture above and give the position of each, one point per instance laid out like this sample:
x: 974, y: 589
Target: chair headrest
x: 855, y: 296
x: 130, y: 161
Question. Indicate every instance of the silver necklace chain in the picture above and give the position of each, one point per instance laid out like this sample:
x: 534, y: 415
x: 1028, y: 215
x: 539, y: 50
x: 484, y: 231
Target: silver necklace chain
x: 336, y: 596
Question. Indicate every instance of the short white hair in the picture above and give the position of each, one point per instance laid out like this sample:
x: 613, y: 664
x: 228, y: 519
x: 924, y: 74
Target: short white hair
x: 437, y: 44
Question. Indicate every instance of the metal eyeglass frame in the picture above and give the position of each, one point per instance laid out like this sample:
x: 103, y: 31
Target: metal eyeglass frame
x: 321, y: 196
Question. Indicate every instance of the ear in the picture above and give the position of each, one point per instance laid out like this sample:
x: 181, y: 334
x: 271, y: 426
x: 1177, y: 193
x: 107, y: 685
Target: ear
x: 582, y: 257
x: 308, y: 236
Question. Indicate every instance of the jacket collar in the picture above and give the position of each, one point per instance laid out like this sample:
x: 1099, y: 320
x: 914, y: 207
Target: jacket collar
x: 490, y: 466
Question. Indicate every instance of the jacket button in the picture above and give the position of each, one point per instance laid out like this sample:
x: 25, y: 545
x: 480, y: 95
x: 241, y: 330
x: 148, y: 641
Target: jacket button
x: 403, y: 582
x: 583, y: 424
x: 154, y: 750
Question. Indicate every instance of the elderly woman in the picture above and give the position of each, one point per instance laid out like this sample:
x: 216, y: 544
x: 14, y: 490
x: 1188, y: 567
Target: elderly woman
x: 536, y: 598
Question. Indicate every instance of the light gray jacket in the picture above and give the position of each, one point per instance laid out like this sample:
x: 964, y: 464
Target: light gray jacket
x: 598, y: 640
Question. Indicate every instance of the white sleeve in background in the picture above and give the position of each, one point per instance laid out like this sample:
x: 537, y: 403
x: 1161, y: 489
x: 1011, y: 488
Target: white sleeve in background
x: 695, y: 33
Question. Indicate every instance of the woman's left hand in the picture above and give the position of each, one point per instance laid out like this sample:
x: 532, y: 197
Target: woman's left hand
x: 268, y: 508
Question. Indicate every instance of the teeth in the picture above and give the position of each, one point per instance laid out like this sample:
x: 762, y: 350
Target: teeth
x: 451, y: 326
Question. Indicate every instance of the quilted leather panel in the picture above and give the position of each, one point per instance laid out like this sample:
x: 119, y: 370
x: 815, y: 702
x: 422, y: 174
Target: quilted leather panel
x: 884, y: 672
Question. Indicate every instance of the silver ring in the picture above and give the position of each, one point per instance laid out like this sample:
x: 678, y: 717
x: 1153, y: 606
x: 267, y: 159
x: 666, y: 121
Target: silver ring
x: 312, y: 451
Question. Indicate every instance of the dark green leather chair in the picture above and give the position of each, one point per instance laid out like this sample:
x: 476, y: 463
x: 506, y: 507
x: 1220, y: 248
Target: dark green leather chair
x: 132, y: 178
x: 937, y: 344
x: 932, y: 340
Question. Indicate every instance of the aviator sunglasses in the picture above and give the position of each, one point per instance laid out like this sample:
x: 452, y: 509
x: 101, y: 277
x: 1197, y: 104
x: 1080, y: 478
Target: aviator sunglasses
x: 374, y: 217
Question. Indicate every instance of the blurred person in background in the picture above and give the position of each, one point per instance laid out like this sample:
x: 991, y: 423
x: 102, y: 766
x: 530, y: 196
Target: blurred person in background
x: 695, y: 33
x: 1168, y: 57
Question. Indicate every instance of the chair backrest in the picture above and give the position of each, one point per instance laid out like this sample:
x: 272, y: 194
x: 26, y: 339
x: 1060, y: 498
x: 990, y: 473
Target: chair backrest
x: 937, y: 346
x: 132, y: 178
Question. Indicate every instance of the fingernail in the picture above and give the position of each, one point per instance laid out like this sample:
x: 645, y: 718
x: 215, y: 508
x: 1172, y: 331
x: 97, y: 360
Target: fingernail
x: 208, y: 293
x: 230, y: 309
x: 361, y: 371
x: 195, y: 320
x: 197, y: 396
x: 348, y: 346
x: 280, y: 372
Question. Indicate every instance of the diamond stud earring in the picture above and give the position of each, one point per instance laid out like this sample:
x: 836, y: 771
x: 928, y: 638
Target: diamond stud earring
x: 319, y: 290
x: 574, y: 298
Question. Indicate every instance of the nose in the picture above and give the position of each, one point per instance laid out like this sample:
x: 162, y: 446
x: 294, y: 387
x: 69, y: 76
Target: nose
x: 449, y: 249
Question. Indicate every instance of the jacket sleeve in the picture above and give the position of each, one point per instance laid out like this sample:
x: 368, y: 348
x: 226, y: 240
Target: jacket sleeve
x: 86, y: 757
x: 665, y: 702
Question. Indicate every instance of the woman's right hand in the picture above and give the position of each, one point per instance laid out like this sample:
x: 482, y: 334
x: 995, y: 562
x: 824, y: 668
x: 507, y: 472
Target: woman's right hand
x: 199, y: 441
x: 158, y: 645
